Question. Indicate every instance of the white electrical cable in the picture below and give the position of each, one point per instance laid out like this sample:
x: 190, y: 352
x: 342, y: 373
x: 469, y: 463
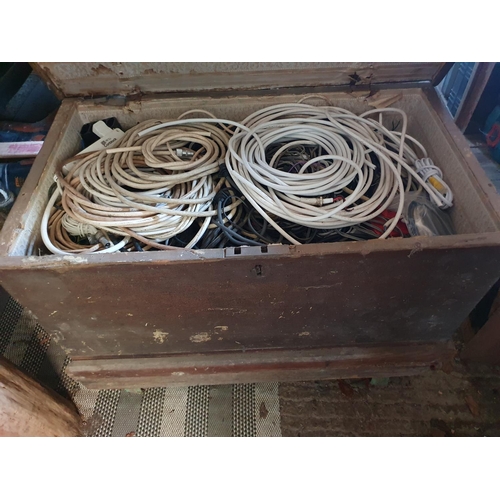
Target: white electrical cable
x: 349, y: 140
x: 76, y: 228
x: 7, y: 196
x: 69, y: 248
x: 433, y: 176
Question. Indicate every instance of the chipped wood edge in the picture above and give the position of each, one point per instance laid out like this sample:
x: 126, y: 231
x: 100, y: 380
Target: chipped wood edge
x: 25, y: 200
x: 107, y: 81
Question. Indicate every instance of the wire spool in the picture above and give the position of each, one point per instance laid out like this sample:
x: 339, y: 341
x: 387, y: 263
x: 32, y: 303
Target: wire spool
x: 361, y: 160
x: 149, y: 187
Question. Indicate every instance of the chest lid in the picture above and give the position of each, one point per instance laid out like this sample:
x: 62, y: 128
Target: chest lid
x: 93, y: 79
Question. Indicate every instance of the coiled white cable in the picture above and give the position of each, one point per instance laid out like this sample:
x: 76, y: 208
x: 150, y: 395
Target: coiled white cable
x: 62, y: 246
x: 76, y: 228
x: 433, y: 176
x: 349, y: 141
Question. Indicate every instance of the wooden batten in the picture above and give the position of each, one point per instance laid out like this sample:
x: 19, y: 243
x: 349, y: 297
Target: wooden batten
x: 263, y: 366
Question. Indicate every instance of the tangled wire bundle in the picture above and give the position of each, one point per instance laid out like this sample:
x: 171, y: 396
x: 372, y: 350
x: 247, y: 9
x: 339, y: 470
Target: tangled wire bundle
x: 294, y: 173
x: 149, y: 188
x: 355, y: 150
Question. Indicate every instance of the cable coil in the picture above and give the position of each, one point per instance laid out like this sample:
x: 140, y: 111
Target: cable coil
x: 355, y: 147
x: 148, y: 187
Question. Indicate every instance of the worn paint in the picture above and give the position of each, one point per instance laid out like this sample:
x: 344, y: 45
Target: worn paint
x: 160, y: 336
x: 84, y: 344
x: 247, y: 367
x: 415, y: 249
x: 319, y: 286
x: 200, y: 337
x: 232, y: 309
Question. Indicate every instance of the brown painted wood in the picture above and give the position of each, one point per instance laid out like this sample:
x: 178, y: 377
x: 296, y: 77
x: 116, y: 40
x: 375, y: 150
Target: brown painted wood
x: 443, y: 71
x: 320, y: 295
x: 484, y: 347
x: 473, y: 93
x: 112, y: 78
x: 45, y: 75
x: 29, y: 409
x: 261, y: 366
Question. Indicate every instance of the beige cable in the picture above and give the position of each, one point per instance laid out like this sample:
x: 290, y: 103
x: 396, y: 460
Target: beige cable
x: 149, y: 188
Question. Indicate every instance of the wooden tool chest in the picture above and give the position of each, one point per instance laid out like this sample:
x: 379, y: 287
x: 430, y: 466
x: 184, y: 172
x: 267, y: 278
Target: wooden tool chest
x: 248, y: 314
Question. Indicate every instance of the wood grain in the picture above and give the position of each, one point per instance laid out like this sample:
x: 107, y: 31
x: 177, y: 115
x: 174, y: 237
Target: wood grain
x: 26, y: 199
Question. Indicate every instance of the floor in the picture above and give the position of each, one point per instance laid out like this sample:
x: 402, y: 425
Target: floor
x: 459, y: 403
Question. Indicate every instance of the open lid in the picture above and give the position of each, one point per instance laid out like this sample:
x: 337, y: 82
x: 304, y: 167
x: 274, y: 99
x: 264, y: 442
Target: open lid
x: 115, y: 78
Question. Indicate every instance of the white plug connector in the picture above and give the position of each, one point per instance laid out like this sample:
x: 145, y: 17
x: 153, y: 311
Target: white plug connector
x: 107, y: 137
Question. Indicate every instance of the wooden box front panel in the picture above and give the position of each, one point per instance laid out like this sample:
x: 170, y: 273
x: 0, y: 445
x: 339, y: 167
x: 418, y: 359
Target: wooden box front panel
x: 300, y: 297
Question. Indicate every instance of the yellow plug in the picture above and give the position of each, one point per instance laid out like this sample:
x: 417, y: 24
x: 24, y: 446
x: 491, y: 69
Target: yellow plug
x: 437, y: 185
